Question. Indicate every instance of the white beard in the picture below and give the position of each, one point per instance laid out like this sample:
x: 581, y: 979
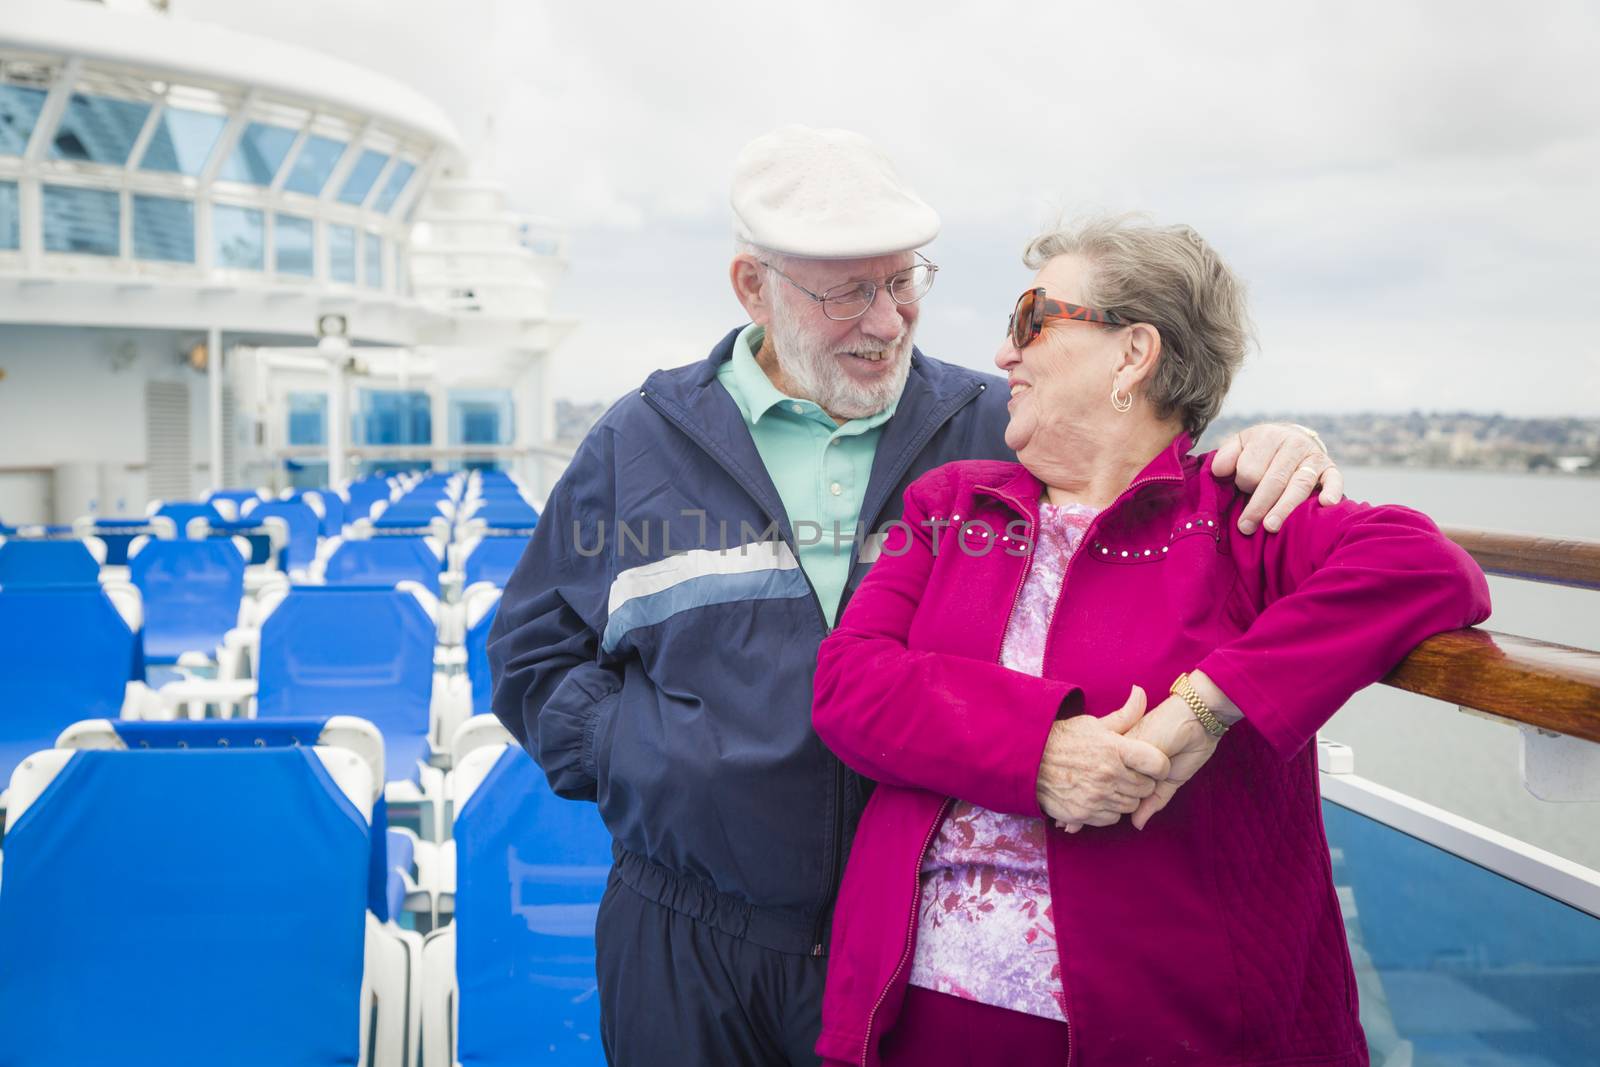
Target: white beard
x: 813, y: 370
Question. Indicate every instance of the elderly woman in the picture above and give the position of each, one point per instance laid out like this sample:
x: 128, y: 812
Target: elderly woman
x: 997, y: 906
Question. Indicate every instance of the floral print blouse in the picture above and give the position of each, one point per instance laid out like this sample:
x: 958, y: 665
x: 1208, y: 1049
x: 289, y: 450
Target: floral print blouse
x: 985, y: 931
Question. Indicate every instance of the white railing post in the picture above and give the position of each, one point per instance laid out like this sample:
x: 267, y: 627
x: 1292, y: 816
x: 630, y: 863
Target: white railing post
x: 336, y: 349
x: 214, y: 389
x: 1558, y: 768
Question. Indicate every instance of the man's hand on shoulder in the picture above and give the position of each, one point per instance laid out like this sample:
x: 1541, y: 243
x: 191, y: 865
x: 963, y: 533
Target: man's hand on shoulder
x: 1280, y: 465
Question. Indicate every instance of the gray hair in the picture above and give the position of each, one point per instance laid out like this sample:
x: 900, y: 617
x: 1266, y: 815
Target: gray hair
x: 1169, y: 277
x: 761, y: 255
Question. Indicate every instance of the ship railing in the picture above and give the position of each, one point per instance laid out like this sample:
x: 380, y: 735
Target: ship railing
x: 540, y: 465
x: 1549, y: 692
x: 1470, y: 944
x: 1552, y: 688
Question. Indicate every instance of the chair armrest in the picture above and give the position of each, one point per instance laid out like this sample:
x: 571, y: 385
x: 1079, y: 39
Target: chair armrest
x: 451, y: 706
x: 139, y: 701
x: 236, y: 658
x: 439, y: 997
x: 425, y: 858
x: 232, y: 696
x: 241, y: 637
x: 393, y: 964
x: 452, y: 625
x: 259, y: 576
x: 444, y: 864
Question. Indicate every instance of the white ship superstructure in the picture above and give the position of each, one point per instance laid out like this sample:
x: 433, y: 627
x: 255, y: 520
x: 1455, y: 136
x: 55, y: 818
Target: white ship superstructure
x: 170, y: 190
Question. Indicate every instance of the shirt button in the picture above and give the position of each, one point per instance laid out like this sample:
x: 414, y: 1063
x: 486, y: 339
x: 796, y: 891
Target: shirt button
x: 835, y: 488
x: 798, y: 409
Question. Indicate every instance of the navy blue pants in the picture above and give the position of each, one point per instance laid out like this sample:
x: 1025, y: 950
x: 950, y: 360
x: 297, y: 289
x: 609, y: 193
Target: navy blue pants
x: 676, y: 991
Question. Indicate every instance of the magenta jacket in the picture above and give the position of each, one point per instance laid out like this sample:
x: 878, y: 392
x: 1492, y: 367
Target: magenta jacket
x: 1213, y: 936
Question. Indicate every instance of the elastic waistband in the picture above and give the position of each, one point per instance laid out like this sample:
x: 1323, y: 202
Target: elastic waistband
x: 780, y: 929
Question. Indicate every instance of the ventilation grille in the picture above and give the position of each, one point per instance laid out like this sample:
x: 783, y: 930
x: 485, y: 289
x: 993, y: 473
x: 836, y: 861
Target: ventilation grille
x: 166, y: 440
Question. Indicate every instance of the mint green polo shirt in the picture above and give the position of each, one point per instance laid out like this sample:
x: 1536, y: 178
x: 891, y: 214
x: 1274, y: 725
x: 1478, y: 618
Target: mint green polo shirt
x: 819, y: 468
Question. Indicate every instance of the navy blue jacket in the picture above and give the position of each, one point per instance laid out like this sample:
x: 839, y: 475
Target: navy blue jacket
x: 670, y: 681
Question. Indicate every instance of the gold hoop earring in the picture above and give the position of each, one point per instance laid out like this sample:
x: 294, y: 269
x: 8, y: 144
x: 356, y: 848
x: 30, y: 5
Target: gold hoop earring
x: 1121, y: 403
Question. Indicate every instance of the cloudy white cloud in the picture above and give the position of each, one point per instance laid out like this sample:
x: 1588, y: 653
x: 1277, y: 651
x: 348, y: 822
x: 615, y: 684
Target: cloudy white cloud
x: 1409, y: 189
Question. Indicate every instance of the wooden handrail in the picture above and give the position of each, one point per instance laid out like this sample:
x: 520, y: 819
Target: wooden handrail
x: 1559, y: 561
x: 1554, y: 687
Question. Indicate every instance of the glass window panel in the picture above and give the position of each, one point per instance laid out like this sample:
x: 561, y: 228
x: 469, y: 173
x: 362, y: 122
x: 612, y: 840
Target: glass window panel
x: 98, y: 129
x: 480, y: 425
x: 362, y: 175
x: 392, y: 417
x: 10, y: 216
x: 238, y: 236
x: 481, y: 417
x: 292, y: 238
x: 19, y: 110
x: 86, y: 221
x: 374, y: 261
x: 182, y: 141
x: 308, y: 418
x: 163, y: 229
x: 258, y: 155
x: 398, y: 179
x: 311, y: 474
x: 342, y: 254
x: 1451, y: 956
x: 314, y: 164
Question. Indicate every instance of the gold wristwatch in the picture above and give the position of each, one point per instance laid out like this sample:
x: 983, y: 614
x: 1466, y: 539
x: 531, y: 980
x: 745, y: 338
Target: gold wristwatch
x: 1184, y: 690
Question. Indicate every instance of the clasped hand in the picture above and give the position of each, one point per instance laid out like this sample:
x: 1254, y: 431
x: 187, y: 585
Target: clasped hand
x: 1096, y: 770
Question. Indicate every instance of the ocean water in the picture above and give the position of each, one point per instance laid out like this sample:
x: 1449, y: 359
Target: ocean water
x: 1432, y: 751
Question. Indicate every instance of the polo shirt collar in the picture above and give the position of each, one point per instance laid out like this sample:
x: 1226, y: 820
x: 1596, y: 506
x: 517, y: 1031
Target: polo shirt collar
x: 757, y: 395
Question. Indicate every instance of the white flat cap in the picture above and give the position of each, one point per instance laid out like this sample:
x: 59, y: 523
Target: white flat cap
x: 825, y: 194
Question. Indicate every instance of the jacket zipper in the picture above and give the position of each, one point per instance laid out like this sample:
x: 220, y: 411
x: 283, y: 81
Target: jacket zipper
x: 1038, y: 527
x: 911, y: 927
x: 818, y: 948
x: 916, y: 908
x: 1044, y: 655
x: 1049, y: 631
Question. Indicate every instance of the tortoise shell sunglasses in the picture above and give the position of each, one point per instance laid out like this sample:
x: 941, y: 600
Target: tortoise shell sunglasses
x: 1034, y: 309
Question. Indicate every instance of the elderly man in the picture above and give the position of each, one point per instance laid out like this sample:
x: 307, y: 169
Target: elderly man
x: 654, y: 649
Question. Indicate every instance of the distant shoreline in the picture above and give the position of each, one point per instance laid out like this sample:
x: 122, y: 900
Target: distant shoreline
x: 1592, y: 471
x: 1457, y: 440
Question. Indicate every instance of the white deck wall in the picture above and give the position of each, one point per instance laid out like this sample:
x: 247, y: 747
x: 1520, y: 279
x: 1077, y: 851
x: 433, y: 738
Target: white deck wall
x: 76, y: 395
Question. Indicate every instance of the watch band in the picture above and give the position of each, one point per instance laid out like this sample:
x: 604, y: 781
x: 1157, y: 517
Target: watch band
x: 1184, y: 690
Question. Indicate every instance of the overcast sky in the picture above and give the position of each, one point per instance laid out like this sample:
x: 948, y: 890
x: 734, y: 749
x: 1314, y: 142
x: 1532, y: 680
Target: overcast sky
x: 1410, y: 190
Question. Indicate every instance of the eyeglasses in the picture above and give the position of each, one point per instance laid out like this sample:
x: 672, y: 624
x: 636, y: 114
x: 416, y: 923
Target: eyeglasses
x: 1034, y: 309
x: 851, y: 300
